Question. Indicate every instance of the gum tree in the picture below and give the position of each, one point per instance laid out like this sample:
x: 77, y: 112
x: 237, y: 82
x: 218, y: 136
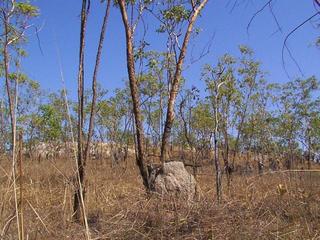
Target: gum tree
x: 177, y: 19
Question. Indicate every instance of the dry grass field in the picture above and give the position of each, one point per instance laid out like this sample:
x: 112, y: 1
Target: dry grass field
x: 282, y: 205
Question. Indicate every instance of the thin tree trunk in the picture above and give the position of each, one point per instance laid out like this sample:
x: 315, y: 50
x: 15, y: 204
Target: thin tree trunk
x: 227, y: 167
x: 216, y: 160
x: 176, y: 84
x: 83, y: 156
x: 187, y: 136
x: 140, y: 156
x: 236, y: 147
x: 20, y: 154
x: 2, y: 130
x: 12, y: 105
x: 7, y: 79
x: 216, y: 144
x: 80, y: 192
x: 309, y: 149
x: 94, y: 81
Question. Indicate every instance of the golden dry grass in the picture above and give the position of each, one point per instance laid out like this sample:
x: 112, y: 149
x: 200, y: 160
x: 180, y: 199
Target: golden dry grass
x: 273, y: 206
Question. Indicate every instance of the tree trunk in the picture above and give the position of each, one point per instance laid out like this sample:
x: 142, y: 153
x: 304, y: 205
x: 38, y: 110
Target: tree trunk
x: 94, y: 80
x: 12, y: 99
x: 217, y: 168
x: 227, y: 168
x: 140, y: 156
x: 79, y: 195
x: 176, y: 84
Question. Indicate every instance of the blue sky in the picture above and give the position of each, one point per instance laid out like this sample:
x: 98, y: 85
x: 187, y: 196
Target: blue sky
x: 60, y: 32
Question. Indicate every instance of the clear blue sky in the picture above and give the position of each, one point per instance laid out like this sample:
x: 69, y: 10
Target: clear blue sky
x: 60, y: 20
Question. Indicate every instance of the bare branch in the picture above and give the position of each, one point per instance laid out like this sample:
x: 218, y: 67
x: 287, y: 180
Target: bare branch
x: 38, y: 38
x: 275, y: 17
x: 285, y: 46
x: 257, y: 13
x: 205, y: 51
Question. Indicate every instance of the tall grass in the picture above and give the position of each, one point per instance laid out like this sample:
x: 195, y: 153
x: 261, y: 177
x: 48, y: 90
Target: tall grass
x: 119, y: 208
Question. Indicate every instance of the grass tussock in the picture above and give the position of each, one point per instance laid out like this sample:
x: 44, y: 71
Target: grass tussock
x: 272, y: 206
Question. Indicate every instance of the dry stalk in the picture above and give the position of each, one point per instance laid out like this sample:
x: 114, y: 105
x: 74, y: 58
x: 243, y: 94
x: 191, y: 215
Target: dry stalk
x: 14, y: 160
x: 38, y: 216
x: 7, y: 224
x: 73, y: 144
x: 21, y: 186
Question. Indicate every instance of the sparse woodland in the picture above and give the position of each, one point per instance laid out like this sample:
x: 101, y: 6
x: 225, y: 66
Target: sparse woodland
x: 86, y: 167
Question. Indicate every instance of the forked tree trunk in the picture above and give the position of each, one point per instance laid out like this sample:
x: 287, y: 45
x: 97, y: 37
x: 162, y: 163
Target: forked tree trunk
x: 141, y: 161
x: 83, y: 153
x: 176, y: 84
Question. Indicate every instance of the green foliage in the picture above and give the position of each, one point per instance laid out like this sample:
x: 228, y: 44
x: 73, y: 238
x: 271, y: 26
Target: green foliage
x: 27, y: 9
x: 50, y: 123
x: 113, y: 117
x: 18, y: 77
x: 245, y: 50
x: 202, y: 118
x: 172, y: 16
x: 176, y: 13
